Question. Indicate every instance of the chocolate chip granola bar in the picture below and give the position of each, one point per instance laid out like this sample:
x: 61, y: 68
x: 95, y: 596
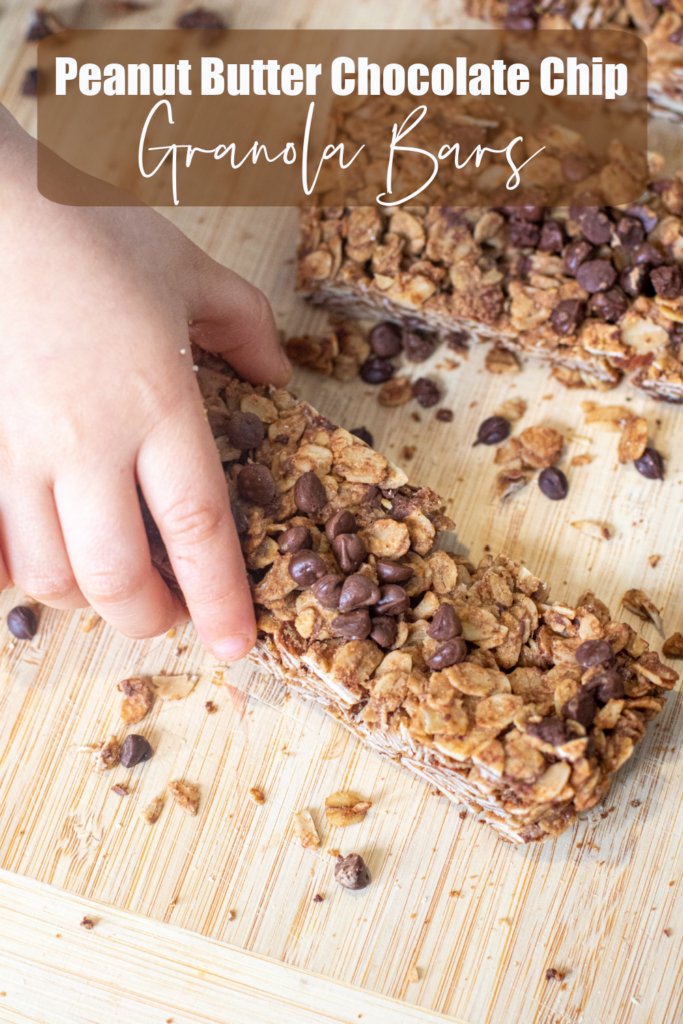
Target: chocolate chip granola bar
x: 470, y: 677
x: 594, y: 290
x: 659, y: 24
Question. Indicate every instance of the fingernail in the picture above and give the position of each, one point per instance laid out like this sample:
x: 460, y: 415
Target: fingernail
x: 233, y: 648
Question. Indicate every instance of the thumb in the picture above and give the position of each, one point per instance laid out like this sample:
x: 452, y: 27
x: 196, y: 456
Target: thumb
x: 232, y: 317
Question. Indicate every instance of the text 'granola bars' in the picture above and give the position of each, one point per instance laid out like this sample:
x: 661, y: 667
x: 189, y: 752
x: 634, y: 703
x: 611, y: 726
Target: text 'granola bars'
x: 595, y: 291
x: 470, y: 677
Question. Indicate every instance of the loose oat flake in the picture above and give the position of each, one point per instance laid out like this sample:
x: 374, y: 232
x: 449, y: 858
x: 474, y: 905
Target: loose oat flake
x: 174, y: 687
x: 598, y: 531
x: 305, y: 831
x: 343, y: 809
x: 152, y: 812
x: 640, y: 604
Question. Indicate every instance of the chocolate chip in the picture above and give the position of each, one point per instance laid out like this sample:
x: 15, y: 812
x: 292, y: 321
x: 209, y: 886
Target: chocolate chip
x: 417, y: 347
x: 550, y: 730
x: 568, y: 315
x: 392, y: 572
x: 296, y: 538
x: 630, y: 232
x: 255, y: 485
x: 595, y: 225
x: 524, y: 234
x: 364, y: 434
x: 309, y: 493
x: 349, y: 550
x: 444, y: 415
x: 446, y: 624
x: 596, y: 275
x: 582, y: 707
x: 384, y: 631
x: 134, y: 750
x: 667, y: 281
x: 646, y: 216
x: 200, y: 18
x: 552, y: 237
x: 634, y: 279
x: 342, y: 521
x: 305, y: 567
x: 650, y: 464
x: 519, y: 24
x: 393, y: 600
x: 245, y: 430
x: 647, y: 255
x: 521, y: 7
x: 608, y: 686
x: 352, y: 626
x: 553, y: 483
x: 575, y: 254
x: 575, y: 168
x: 376, y: 370
x: 610, y: 305
x: 351, y: 873
x: 29, y: 83
x: 358, y: 592
x: 592, y: 653
x: 450, y: 653
x: 493, y: 430
x: 22, y: 622
x: 426, y: 392
x: 528, y: 212
x: 522, y: 266
x: 385, y: 340
x: 328, y: 590
x: 458, y: 341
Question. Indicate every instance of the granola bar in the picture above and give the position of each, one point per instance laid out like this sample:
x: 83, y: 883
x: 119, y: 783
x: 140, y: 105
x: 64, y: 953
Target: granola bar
x: 470, y: 677
x: 660, y: 25
x: 595, y: 291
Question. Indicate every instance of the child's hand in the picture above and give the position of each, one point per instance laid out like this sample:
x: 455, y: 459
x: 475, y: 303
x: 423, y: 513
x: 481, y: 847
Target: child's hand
x: 98, y: 394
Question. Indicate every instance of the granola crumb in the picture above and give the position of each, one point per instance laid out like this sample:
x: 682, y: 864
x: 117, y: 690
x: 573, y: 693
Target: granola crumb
x: 210, y: 707
x: 444, y: 415
x: 640, y: 604
x: 175, y: 687
x: 231, y: 915
x: 343, y: 809
x: 654, y: 560
x: 636, y: 803
x: 152, y: 812
x: 598, y: 531
x: 408, y: 452
x: 138, y: 698
x: 416, y: 416
x: 667, y: 932
x: 581, y: 460
x: 257, y: 795
x: 305, y: 830
x: 186, y: 795
x: 552, y: 974
x: 120, y: 790
x: 454, y: 892
x: 413, y: 975
x: 318, y: 898
x: 462, y: 815
x: 87, y: 923
x: 171, y: 633
x: 673, y: 646
x: 106, y: 755
x: 89, y: 624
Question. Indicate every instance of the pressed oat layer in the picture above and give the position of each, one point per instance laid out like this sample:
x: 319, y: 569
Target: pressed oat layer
x: 595, y: 291
x: 472, y: 679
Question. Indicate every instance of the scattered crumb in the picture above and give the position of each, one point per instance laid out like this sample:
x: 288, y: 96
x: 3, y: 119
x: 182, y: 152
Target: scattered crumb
x: 673, y: 646
x: 318, y: 898
x: 552, y: 974
x: 152, y: 812
x: 636, y: 803
x: 416, y: 416
x: 454, y: 892
x: 120, y: 790
x: 462, y: 815
x: 180, y: 650
x: 667, y: 932
x: 171, y: 633
x: 343, y: 809
x: 305, y: 830
x: 500, y: 360
x: 88, y: 624
x: 106, y: 755
x: 408, y: 451
x: 581, y: 460
x: 654, y: 560
x: 257, y: 795
x: 640, y: 604
x: 334, y: 853
x: 546, y: 398
x: 598, y: 531
x: 231, y: 915
x: 87, y: 924
x: 613, y: 417
x: 174, y: 687
x: 633, y: 440
x: 513, y: 409
x: 210, y: 707
x: 138, y: 698
x: 186, y: 795
x: 444, y: 415
x: 414, y: 973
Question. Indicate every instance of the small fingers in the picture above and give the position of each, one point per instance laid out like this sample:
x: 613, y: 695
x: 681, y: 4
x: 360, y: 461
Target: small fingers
x: 183, y: 483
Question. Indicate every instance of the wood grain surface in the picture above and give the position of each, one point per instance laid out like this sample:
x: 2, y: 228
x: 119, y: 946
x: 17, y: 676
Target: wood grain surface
x: 481, y: 920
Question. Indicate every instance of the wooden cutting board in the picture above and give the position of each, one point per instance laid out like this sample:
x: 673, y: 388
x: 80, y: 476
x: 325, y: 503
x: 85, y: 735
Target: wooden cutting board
x: 482, y: 921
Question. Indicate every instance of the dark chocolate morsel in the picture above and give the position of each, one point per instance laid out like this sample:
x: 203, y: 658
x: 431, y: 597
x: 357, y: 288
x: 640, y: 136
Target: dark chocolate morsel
x: 553, y: 483
x: 353, y: 625
x: 357, y: 592
x: 582, y: 707
x: 296, y: 538
x: 493, y: 430
x: 245, y: 430
x: 592, y: 653
x: 385, y: 340
x: 342, y: 521
x: 450, y: 653
x: 134, y: 750
x: 328, y: 590
x: 349, y: 550
x: 22, y: 622
x: 446, y: 624
x: 650, y: 464
x: 256, y: 485
x: 384, y: 631
x: 392, y: 572
x: 309, y: 493
x: 393, y: 600
x: 305, y: 567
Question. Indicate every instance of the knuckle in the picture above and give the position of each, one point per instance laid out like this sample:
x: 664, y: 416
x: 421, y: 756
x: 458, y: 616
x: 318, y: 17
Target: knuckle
x: 112, y: 586
x: 192, y: 523
x: 48, y: 589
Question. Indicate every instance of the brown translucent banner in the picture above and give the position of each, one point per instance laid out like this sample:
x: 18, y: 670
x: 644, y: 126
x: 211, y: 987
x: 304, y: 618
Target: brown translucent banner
x: 289, y: 118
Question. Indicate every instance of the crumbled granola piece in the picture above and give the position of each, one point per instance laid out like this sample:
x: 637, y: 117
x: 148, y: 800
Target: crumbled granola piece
x: 640, y: 604
x: 654, y: 560
x: 512, y: 409
x: 174, y: 687
x: 186, y: 795
x: 598, y: 531
x: 673, y: 646
x: 305, y: 831
x: 541, y: 446
x: 501, y: 360
x: 510, y: 481
x: 106, y: 754
x: 396, y: 391
x: 581, y: 460
x: 633, y: 440
x: 137, y: 700
x: 343, y: 809
x: 152, y: 812
x: 257, y: 795
x: 413, y: 975
x: 613, y: 417
x: 87, y: 923
x: 552, y: 974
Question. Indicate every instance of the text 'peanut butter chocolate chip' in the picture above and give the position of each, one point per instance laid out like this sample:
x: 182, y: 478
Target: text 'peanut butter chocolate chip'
x: 358, y: 592
x: 309, y: 493
x: 393, y: 600
x: 650, y: 464
x: 255, y: 485
x: 392, y: 572
x: 305, y: 567
x: 135, y: 749
x: 349, y: 550
x: 451, y: 653
x: 376, y: 370
x: 552, y: 237
x: 568, y: 316
x: 363, y: 434
x: 667, y: 281
x: 630, y: 232
x: 582, y: 707
x: 493, y: 430
x: 328, y: 590
x: 596, y: 275
x: 22, y: 622
x: 296, y: 538
x: 553, y: 483
x: 550, y: 730
x: 608, y: 686
x: 417, y: 347
x: 353, y: 626
x: 446, y: 624
x: 385, y: 340
x: 592, y: 653
x: 384, y: 631
x: 342, y: 521
x: 245, y: 430
x: 595, y: 225
x: 610, y: 305
x: 351, y: 872
x: 426, y: 392
x: 575, y: 254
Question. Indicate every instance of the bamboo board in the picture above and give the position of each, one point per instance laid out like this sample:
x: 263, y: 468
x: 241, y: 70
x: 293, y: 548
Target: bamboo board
x: 481, y: 920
